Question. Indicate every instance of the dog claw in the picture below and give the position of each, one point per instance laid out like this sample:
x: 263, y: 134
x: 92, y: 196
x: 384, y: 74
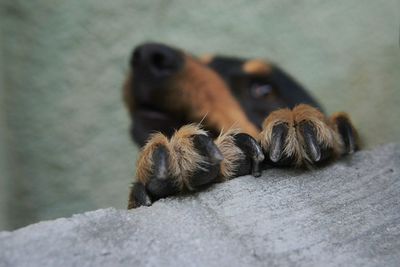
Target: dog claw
x: 348, y: 135
x: 160, y: 183
x: 210, y: 168
x: 310, y: 140
x: 279, y: 134
x: 205, y: 145
x: 138, y: 196
x: 252, y: 150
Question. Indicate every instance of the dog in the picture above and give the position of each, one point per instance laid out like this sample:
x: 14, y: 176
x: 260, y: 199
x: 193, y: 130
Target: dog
x: 202, y: 120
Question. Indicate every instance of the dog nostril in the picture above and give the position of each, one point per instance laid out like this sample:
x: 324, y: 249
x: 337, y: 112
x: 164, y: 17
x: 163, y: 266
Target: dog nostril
x: 162, y: 61
x: 156, y: 60
x: 159, y: 61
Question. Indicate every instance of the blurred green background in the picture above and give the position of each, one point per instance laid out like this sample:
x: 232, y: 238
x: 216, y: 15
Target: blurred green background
x: 64, y: 143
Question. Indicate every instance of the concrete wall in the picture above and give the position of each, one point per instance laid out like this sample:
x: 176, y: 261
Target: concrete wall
x: 64, y: 62
x: 3, y: 149
x: 346, y: 214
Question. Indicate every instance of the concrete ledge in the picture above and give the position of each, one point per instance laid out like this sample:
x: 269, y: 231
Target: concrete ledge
x: 345, y: 214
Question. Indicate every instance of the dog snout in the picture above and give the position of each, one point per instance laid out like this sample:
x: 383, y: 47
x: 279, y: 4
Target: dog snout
x: 156, y: 60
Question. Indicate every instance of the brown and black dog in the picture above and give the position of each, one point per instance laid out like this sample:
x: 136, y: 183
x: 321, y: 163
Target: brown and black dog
x: 202, y: 120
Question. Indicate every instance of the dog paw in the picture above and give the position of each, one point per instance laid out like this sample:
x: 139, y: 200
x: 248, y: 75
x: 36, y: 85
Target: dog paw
x: 191, y: 160
x: 185, y: 162
x: 242, y: 155
x: 305, y: 136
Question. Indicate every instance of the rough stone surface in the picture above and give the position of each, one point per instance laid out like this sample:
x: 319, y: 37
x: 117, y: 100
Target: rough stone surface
x: 345, y: 214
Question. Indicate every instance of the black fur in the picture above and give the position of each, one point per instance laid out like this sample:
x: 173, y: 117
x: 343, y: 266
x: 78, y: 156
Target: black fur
x: 154, y: 65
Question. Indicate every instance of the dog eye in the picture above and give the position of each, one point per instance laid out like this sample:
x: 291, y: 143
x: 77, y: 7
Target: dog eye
x: 260, y: 90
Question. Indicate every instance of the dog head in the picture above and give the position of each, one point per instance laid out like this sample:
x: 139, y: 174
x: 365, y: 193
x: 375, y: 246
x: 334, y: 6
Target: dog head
x: 167, y: 88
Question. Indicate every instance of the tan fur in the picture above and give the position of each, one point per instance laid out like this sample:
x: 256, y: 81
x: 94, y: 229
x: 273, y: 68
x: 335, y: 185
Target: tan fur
x: 206, y: 58
x: 294, y: 143
x: 325, y: 134
x: 340, y: 114
x: 232, y: 154
x: 292, y: 146
x: 145, y: 161
x: 197, y: 91
x: 184, y: 158
x: 256, y: 66
x: 200, y: 92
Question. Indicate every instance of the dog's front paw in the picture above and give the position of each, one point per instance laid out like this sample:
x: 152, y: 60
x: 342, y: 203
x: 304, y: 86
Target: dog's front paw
x: 190, y: 160
x: 242, y: 155
x: 185, y: 162
x: 304, y: 136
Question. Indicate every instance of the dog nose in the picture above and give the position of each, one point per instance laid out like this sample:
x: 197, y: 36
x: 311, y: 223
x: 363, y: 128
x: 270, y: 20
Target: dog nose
x: 156, y: 59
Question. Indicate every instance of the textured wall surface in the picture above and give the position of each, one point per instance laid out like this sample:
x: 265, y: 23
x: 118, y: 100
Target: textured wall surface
x: 64, y: 62
x: 347, y: 214
x: 3, y: 150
